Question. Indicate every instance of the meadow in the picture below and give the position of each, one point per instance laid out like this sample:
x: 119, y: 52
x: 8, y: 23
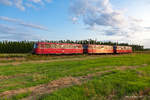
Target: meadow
x: 75, y: 77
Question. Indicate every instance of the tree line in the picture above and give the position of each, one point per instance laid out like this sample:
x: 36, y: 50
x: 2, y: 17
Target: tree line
x: 27, y: 46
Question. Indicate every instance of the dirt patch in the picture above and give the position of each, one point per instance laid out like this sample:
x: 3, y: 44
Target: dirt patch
x: 127, y: 67
x: 12, y: 58
x: 142, y: 95
x: 58, y: 84
x: 130, y: 67
x: 43, y: 89
x: 145, y: 92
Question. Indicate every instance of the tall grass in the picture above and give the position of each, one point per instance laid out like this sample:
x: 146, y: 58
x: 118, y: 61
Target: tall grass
x: 16, y: 46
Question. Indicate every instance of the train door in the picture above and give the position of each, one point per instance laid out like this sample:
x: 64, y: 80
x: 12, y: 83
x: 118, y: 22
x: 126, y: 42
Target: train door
x: 85, y: 48
x: 115, y: 49
x: 63, y: 48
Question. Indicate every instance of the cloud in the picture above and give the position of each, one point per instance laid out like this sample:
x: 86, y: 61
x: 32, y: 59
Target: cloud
x: 6, y: 2
x: 25, y: 24
x: 100, y: 16
x: 19, y: 4
x: 23, y: 4
x: 97, y: 12
x: 19, y: 30
x: 17, y: 33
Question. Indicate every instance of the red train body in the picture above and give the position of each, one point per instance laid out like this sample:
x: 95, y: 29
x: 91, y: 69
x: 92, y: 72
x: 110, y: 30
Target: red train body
x: 123, y: 49
x: 57, y: 48
x: 99, y: 49
x: 67, y: 48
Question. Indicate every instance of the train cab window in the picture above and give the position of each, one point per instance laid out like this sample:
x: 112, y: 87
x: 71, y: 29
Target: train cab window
x: 35, y: 45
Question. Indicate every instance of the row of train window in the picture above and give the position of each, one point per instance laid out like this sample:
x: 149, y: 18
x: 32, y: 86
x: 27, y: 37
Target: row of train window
x: 43, y: 46
x: 100, y: 47
x: 124, y: 48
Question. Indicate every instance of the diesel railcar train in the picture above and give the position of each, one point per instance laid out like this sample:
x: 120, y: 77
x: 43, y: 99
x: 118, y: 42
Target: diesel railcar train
x: 67, y: 48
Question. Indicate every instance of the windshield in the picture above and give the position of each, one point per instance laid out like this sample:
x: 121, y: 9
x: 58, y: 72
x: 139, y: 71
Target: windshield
x: 35, y: 46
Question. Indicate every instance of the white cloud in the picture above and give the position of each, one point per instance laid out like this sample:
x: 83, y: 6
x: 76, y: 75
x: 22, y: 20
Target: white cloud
x: 97, y: 12
x: 102, y: 18
x: 36, y: 1
x: 23, y: 4
x: 19, y: 4
x: 26, y: 24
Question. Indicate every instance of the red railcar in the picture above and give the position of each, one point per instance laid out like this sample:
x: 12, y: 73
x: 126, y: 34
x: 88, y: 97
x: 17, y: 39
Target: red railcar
x: 99, y: 49
x: 57, y: 48
x: 123, y: 49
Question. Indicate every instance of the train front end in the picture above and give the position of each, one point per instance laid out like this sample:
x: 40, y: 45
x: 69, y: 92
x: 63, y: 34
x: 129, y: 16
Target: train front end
x: 37, y: 49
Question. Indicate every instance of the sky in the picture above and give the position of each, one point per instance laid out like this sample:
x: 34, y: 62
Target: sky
x: 104, y: 20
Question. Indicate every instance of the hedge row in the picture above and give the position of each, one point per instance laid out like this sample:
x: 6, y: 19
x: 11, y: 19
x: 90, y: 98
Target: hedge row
x: 27, y: 46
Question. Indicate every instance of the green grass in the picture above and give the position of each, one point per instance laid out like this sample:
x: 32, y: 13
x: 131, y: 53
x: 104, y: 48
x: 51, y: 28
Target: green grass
x: 114, y: 86
x: 13, y: 55
x: 121, y: 82
x: 6, y: 58
x: 18, y: 96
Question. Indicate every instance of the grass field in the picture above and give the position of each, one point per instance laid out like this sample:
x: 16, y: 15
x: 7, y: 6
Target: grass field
x: 78, y: 77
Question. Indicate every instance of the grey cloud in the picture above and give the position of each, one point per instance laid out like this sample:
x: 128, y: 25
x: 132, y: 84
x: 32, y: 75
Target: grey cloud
x: 9, y: 19
x: 34, y: 26
x: 6, y: 2
x: 19, y: 22
x: 23, y: 4
x: 148, y: 28
x: 17, y: 33
x: 2, y: 26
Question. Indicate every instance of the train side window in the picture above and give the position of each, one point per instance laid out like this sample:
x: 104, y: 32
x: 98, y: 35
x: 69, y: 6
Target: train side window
x: 67, y: 46
x: 47, y: 46
x: 64, y: 46
x: 41, y: 46
x: 58, y: 46
x: 102, y: 47
x: 70, y: 46
x: 53, y: 46
x: 76, y: 47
